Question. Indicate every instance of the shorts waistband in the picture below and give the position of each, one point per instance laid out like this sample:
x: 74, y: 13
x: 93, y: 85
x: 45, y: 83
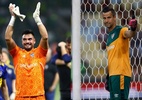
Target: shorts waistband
x: 29, y: 96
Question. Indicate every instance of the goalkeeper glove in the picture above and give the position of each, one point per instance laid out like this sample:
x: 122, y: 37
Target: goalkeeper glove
x: 16, y: 11
x: 36, y: 14
x: 12, y: 20
x: 133, y: 23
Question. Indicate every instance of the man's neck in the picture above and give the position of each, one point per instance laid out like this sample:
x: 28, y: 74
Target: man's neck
x: 111, y: 28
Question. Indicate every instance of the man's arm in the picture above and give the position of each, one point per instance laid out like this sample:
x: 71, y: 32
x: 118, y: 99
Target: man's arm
x: 55, y: 82
x: 66, y: 58
x: 13, y: 94
x: 9, y: 30
x: 63, y: 48
x: 56, y: 61
x: 5, y: 90
x: 129, y: 34
x: 60, y: 62
x: 13, y: 85
x: 41, y: 27
x: 133, y: 26
x: 65, y: 55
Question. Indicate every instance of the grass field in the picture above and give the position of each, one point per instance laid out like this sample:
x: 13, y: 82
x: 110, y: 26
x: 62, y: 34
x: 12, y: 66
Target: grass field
x: 57, y: 94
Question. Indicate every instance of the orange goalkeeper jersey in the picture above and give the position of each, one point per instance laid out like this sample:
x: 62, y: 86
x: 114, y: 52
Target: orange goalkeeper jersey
x: 29, y: 69
x: 118, y: 52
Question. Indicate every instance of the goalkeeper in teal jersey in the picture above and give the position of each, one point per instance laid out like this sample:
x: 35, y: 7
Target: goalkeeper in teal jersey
x: 119, y: 68
x: 3, y: 74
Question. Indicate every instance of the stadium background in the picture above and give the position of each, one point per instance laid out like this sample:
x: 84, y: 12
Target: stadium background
x: 56, y: 15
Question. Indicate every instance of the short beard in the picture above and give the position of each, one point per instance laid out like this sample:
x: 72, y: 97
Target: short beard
x: 27, y: 49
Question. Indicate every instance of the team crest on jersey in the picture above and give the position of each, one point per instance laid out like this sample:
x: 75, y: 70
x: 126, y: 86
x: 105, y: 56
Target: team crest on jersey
x: 32, y: 54
x: 112, y: 36
x: 9, y: 71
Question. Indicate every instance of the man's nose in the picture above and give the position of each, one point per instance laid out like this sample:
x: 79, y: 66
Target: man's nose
x: 106, y: 20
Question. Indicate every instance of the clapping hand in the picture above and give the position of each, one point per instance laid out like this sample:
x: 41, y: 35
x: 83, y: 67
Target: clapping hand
x: 36, y: 14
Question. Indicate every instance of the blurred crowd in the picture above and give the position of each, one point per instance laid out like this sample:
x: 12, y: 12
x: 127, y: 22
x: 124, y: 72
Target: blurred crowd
x: 54, y: 14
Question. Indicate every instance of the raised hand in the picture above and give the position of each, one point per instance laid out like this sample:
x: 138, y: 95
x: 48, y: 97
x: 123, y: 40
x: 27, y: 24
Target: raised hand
x: 133, y: 23
x: 17, y: 12
x: 11, y: 7
x: 36, y: 14
x: 37, y: 10
x: 62, y: 44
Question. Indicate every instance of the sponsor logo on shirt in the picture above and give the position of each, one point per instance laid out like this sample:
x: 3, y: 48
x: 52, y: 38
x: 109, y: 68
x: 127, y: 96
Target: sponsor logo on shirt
x: 32, y: 55
x: 110, y: 47
x: 29, y: 65
x: 112, y: 36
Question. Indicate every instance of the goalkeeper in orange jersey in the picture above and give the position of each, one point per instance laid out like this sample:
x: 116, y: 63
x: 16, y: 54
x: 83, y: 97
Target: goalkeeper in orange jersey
x: 29, y: 62
x: 118, y: 54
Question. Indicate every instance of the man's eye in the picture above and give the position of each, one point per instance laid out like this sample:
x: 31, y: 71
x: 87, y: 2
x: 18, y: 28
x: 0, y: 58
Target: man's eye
x: 27, y: 39
x: 30, y: 39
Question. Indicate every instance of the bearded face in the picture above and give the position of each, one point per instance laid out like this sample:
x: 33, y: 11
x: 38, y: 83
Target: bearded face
x: 28, y: 41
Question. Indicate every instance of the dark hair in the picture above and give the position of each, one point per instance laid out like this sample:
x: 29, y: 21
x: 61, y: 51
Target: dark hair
x: 68, y: 39
x: 28, y: 31
x: 58, y: 48
x: 0, y: 50
x: 107, y: 9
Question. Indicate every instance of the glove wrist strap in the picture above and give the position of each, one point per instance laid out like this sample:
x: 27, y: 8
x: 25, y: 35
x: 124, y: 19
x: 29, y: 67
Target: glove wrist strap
x: 38, y: 21
x: 12, y: 21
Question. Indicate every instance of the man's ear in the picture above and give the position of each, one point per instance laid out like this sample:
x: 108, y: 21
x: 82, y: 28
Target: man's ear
x: 34, y: 41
